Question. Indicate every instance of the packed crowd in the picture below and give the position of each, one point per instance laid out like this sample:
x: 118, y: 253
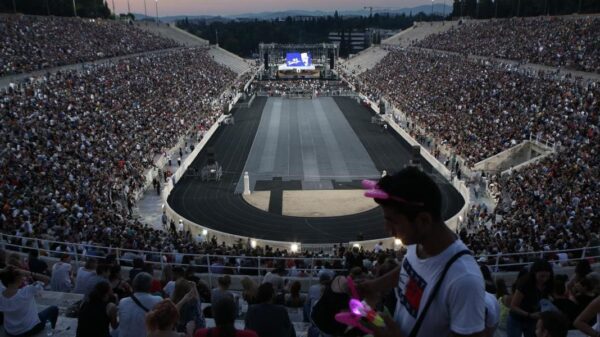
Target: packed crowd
x: 478, y: 109
x: 560, y: 42
x: 31, y: 43
x: 76, y: 145
x: 313, y: 87
x: 147, y: 301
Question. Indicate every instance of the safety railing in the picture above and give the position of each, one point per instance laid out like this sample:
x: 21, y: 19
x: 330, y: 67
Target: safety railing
x: 257, y: 266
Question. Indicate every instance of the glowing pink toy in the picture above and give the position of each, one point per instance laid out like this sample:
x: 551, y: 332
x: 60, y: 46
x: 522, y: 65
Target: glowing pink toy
x: 373, y: 191
x: 360, y: 312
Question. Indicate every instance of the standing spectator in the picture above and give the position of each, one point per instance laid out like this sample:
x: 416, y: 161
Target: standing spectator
x: 225, y: 311
x: 62, y: 276
x: 268, y: 319
x: 525, y: 305
x: 132, y: 310
x: 411, y: 202
x: 97, y: 313
x: 21, y: 317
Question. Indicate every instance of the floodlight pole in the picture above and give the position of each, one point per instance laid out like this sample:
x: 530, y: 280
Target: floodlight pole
x: 156, y: 5
x: 74, y: 8
x: 432, y: 10
x: 145, y: 9
x: 128, y: 7
x: 114, y: 10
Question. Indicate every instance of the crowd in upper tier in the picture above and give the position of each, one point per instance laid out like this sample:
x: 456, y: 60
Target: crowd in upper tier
x: 76, y: 145
x: 480, y: 108
x: 29, y: 43
x: 569, y: 42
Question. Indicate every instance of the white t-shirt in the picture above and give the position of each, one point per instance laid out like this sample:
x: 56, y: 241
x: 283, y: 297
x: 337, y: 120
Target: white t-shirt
x: 459, y: 305
x: 132, y: 318
x: 61, y: 277
x: 20, y: 311
x: 81, y: 279
x: 492, y: 311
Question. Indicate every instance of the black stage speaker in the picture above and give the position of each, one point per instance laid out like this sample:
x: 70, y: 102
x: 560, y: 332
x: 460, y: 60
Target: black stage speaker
x: 381, y: 107
x: 331, y: 61
x: 266, y: 57
x: 416, y: 151
x: 210, y: 156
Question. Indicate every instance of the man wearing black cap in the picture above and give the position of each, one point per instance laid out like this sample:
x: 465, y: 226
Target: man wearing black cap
x: 439, y: 286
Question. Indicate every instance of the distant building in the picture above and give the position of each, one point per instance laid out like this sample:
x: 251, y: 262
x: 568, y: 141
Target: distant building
x: 361, y: 39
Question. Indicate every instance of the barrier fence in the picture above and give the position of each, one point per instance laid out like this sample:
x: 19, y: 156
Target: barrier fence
x: 258, y: 265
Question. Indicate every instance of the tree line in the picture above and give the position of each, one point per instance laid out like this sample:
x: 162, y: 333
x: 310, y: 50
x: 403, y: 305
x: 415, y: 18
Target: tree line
x: 84, y: 8
x: 485, y: 9
x: 243, y: 37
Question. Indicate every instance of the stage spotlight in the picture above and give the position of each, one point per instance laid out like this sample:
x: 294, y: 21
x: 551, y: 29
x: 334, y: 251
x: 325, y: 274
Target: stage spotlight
x: 253, y: 244
x: 397, y: 242
x: 204, y: 232
x: 294, y: 248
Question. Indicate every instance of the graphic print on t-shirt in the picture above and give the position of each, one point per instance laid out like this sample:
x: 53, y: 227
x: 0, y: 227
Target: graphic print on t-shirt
x: 413, y: 289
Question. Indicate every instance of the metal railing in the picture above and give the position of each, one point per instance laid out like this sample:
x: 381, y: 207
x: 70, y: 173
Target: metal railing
x: 256, y: 265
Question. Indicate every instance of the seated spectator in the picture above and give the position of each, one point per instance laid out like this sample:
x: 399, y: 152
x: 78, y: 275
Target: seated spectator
x: 561, y: 300
x: 525, y: 305
x: 138, y: 267
x: 36, y: 265
x: 582, y: 269
x: 591, y: 312
x: 190, y: 310
x: 98, y: 314
x: 222, y: 290
x: 584, y: 293
x: 62, y: 276
x: 132, y: 310
x: 120, y: 288
x: 178, y: 273
x: 21, y: 317
x: 83, y: 274
x: 268, y: 319
x: 102, y: 274
x: 294, y: 299
x: 250, y: 289
x: 225, y: 312
x: 161, y: 321
x: 551, y: 324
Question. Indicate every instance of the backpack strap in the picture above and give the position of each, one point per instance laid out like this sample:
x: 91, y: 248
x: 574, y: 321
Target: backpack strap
x: 436, y: 288
x: 139, y: 304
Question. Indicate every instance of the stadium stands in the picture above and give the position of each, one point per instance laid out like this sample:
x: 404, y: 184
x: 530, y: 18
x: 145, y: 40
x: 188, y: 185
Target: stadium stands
x: 36, y: 42
x: 364, y: 60
x: 479, y: 108
x: 83, y: 140
x: 417, y: 32
x: 569, y: 42
x: 77, y: 143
